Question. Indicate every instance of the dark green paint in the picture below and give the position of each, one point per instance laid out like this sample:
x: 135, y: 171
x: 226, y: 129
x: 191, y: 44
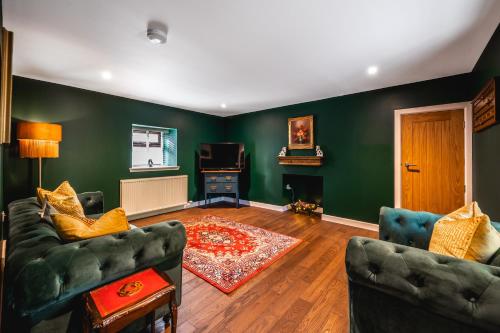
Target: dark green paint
x: 95, y: 152
x: 486, y: 144
x: 356, y: 133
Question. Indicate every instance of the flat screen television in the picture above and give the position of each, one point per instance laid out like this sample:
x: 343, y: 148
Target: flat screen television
x: 222, y: 156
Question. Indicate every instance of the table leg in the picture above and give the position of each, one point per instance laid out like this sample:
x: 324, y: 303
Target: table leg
x: 152, y: 320
x: 86, y: 321
x: 173, y: 317
x: 86, y: 325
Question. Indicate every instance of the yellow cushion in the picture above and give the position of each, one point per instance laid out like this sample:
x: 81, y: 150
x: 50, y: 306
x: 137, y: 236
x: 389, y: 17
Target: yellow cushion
x: 63, y: 199
x: 72, y: 228
x: 466, y: 233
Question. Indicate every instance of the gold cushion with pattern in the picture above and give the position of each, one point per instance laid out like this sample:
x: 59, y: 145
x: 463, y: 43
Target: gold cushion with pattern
x: 73, y: 228
x: 466, y: 233
x: 63, y: 199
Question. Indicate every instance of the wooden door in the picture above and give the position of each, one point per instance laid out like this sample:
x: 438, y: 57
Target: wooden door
x: 432, y: 161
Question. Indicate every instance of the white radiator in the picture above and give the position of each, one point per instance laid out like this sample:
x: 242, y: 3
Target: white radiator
x: 146, y: 196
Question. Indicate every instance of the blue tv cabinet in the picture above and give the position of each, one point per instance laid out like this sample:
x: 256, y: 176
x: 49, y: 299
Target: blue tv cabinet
x: 222, y: 182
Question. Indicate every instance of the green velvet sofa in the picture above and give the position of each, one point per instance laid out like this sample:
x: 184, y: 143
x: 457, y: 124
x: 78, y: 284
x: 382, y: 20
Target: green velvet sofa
x: 45, y: 276
x: 396, y: 285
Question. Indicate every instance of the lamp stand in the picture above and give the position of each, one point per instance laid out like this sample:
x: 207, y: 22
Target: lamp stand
x: 39, y: 172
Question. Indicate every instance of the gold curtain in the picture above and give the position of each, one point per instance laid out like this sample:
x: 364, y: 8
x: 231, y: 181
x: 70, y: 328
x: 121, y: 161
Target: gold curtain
x: 6, y: 86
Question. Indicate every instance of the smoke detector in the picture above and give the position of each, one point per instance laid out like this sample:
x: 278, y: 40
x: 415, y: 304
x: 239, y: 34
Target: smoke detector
x: 156, y: 36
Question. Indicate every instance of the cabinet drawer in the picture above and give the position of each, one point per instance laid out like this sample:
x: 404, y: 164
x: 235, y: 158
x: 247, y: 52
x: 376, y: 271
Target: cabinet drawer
x: 212, y: 178
x: 221, y: 178
x: 228, y: 178
x: 221, y: 187
x: 228, y: 187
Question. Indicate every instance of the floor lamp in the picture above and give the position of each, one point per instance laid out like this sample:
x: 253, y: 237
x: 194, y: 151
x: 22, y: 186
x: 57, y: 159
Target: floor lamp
x: 39, y: 140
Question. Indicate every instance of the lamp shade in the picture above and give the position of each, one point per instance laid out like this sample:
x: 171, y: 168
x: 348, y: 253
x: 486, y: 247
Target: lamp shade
x: 39, y: 139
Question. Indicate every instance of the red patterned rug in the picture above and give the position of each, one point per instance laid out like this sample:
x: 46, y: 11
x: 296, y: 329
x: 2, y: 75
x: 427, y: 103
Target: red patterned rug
x: 227, y: 254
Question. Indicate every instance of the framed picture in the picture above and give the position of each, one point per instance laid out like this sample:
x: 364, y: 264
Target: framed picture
x: 301, y: 133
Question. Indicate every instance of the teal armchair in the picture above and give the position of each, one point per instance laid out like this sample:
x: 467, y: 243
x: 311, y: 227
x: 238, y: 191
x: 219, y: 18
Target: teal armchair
x: 396, y: 285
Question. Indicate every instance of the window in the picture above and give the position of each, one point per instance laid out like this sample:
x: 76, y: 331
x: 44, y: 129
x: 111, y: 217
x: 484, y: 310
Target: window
x: 153, y: 148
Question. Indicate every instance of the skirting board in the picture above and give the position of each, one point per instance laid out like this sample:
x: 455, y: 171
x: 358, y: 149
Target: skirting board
x: 349, y: 222
x: 243, y: 202
x: 257, y: 204
x: 324, y: 217
x: 193, y: 204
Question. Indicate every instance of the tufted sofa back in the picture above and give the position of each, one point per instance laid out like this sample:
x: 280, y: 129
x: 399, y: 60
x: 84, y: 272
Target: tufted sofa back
x: 410, y: 228
x: 26, y: 227
x: 92, y: 202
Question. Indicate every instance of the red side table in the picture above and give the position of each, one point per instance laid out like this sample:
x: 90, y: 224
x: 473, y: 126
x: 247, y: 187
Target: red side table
x: 112, y: 307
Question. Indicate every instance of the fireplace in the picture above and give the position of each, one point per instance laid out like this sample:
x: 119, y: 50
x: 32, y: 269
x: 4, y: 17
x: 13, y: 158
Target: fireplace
x: 303, y: 188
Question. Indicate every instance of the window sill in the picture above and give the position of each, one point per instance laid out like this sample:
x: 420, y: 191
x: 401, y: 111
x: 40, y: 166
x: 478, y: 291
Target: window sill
x: 148, y: 169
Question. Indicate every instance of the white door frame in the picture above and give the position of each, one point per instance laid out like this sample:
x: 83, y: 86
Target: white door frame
x: 467, y: 107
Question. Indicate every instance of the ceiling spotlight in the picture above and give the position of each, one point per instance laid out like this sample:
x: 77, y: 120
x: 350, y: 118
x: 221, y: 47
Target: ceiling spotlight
x: 223, y: 105
x: 156, y: 36
x: 106, y: 75
x: 372, y: 70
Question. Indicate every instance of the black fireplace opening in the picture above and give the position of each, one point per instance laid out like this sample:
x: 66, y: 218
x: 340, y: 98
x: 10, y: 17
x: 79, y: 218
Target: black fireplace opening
x: 303, y: 187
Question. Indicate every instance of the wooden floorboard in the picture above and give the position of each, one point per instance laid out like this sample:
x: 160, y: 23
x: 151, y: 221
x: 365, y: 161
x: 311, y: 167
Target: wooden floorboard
x: 305, y: 291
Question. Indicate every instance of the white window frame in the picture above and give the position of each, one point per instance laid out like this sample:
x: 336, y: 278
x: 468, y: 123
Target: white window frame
x: 147, y: 168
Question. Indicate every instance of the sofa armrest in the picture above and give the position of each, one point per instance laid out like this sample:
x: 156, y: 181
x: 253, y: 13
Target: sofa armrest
x: 92, y: 202
x: 406, y: 227
x: 462, y: 290
x: 64, y: 272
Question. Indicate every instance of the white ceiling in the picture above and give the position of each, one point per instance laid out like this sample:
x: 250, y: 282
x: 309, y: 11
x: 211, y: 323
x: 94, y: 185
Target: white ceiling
x: 251, y: 55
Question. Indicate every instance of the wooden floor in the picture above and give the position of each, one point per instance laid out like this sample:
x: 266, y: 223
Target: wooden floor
x: 305, y: 291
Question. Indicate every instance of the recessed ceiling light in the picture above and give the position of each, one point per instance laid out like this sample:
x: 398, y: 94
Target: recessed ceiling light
x: 372, y: 70
x: 156, y: 36
x: 223, y: 105
x: 106, y: 75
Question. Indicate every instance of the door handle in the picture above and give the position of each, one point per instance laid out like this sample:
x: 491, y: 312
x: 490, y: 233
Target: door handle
x: 409, y: 165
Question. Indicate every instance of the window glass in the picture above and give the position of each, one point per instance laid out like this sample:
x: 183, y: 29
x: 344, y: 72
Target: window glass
x: 153, y: 147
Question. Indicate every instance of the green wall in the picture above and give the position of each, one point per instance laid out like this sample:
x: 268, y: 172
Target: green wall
x: 356, y: 134
x: 95, y: 152
x: 486, y: 144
